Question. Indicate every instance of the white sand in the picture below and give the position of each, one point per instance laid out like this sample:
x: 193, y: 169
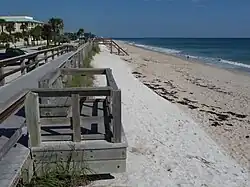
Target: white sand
x: 217, y: 99
x: 166, y: 147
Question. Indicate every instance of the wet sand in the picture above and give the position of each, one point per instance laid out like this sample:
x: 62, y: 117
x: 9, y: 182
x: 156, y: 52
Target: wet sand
x: 217, y: 99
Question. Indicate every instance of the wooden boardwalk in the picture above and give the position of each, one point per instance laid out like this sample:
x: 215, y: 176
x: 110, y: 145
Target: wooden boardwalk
x: 85, y: 122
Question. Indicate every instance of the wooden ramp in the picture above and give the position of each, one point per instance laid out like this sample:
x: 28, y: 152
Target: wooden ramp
x: 113, y: 46
x: 80, y: 127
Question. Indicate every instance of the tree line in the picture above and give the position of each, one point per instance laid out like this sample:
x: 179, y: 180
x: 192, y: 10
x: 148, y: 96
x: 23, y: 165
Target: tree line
x: 50, y: 31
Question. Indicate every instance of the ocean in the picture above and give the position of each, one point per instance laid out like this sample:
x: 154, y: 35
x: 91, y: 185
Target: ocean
x: 224, y: 52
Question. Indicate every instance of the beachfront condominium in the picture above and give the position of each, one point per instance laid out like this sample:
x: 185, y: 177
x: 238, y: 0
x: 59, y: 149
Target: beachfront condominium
x: 18, y: 21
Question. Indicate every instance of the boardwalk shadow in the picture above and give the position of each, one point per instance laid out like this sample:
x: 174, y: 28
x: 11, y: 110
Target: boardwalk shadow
x: 9, y: 132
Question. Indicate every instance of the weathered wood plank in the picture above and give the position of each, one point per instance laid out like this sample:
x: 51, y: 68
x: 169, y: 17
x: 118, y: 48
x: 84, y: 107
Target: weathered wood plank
x: 11, y: 142
x: 88, y: 144
x: 11, y: 165
x: 67, y: 92
x: 51, y: 77
x: 76, y: 118
x: 110, y: 79
x: 23, y: 70
x: 54, y: 106
x: 86, y: 168
x: 33, y: 118
x: 81, y: 155
x: 116, y: 109
x: 69, y: 137
x: 89, y: 71
x: 45, y: 121
x: 2, y: 80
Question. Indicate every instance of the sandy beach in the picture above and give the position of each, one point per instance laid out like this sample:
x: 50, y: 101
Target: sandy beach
x: 166, y: 147
x: 217, y: 99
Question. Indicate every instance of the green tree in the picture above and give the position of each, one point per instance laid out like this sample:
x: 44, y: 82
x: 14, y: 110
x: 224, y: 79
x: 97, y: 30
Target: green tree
x: 2, y: 24
x: 80, y: 32
x: 57, y: 26
x: 47, y: 32
x: 24, y: 27
x: 36, y: 32
x: 71, y: 35
x: 18, y: 35
x: 10, y: 27
x: 4, y: 37
x: 25, y: 32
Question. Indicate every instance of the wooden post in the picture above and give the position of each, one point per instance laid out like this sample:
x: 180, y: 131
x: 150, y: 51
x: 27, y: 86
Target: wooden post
x: 2, y: 81
x: 58, y: 52
x: 111, y: 50
x: 74, y: 61
x: 23, y: 71
x: 53, y: 54
x: 116, y: 112
x: 76, y: 117
x: 35, y: 59
x: 79, y: 59
x: 33, y: 118
x: 46, y: 57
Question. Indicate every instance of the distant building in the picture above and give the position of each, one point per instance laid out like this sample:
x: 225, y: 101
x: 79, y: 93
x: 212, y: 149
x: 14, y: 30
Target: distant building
x: 19, y: 20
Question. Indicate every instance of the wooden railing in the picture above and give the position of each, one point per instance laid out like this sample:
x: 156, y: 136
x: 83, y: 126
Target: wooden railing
x: 111, y: 43
x: 30, y: 61
x: 106, y: 154
x: 111, y: 93
x: 16, y: 102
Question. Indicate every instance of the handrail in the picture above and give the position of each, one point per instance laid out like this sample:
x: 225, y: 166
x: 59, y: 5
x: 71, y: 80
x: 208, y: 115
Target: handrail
x: 119, y: 47
x: 7, y: 61
x: 112, y: 42
x: 12, y: 105
x: 6, y: 111
x: 35, y: 63
x: 17, y: 101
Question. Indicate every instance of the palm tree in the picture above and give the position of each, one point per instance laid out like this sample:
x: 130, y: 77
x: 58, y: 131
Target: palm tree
x: 4, y: 37
x: 18, y: 35
x: 2, y: 23
x: 57, y: 26
x: 25, y: 33
x: 24, y: 27
x: 47, y: 32
x: 10, y: 27
x: 80, y: 32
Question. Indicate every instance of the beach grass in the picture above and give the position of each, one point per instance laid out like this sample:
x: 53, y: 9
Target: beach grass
x: 81, y: 80
x: 60, y: 174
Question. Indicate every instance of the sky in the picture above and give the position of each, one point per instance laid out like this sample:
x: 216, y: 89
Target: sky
x: 141, y: 18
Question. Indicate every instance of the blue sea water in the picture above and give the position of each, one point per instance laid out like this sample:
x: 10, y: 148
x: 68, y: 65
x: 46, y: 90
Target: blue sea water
x: 223, y: 52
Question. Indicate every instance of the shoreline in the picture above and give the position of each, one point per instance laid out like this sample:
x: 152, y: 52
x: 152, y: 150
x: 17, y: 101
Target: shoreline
x: 216, y: 98
x: 236, y: 69
x: 165, y: 146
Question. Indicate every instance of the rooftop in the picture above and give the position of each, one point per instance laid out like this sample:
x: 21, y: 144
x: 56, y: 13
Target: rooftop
x: 20, y: 19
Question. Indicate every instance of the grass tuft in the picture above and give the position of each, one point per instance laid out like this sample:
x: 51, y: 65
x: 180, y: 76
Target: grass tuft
x: 81, y: 80
x: 59, y: 173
